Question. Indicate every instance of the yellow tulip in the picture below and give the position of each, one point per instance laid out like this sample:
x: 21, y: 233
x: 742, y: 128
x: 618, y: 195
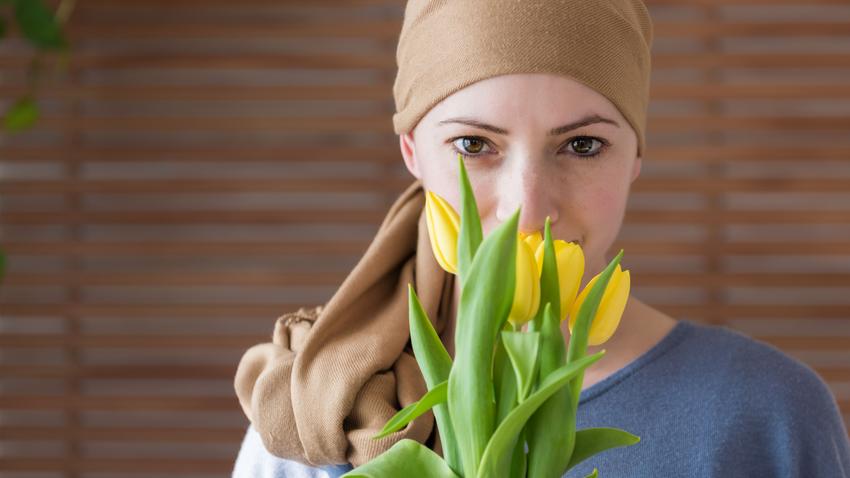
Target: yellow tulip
x: 534, y: 239
x: 527, y: 290
x: 570, y: 259
x: 443, y: 228
x: 610, y: 308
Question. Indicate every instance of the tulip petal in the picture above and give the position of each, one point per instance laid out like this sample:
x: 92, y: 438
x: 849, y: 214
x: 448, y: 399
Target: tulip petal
x: 527, y: 290
x: 442, y: 223
x: 570, y: 262
x: 533, y: 240
x: 611, y: 308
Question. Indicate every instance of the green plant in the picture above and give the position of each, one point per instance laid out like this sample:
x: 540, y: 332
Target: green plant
x: 43, y: 30
x: 503, y: 382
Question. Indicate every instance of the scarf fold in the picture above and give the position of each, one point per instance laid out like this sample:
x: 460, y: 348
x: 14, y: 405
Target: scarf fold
x: 335, y: 373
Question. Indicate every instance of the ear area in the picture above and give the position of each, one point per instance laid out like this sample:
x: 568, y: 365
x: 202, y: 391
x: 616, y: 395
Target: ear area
x: 636, y: 168
x: 408, y: 152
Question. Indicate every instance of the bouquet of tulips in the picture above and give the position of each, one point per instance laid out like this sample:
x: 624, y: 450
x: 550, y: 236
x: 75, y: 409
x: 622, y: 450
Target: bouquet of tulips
x: 507, y: 387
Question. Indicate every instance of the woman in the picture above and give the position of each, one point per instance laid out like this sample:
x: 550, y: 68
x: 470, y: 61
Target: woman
x: 546, y: 102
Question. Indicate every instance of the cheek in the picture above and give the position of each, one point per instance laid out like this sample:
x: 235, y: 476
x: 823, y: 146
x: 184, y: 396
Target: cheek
x: 437, y: 174
x: 604, y: 192
x: 603, y: 210
x: 606, y: 204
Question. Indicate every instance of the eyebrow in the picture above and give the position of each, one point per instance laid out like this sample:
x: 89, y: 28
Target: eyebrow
x: 553, y: 132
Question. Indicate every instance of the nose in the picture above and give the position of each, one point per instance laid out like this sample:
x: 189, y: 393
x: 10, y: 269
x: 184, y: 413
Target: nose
x: 527, y: 185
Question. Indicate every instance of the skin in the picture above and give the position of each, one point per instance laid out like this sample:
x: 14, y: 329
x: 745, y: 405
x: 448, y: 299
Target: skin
x: 585, y: 196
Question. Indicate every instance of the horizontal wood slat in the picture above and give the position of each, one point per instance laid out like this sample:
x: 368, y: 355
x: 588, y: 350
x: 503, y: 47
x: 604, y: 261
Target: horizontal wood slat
x: 239, y: 278
x: 30, y: 402
x: 131, y: 372
x: 254, y: 311
x: 389, y: 185
x: 370, y: 217
x: 130, y: 341
x: 388, y: 30
x: 360, y: 155
x: 113, y: 434
x: 114, y: 465
x: 258, y: 61
x: 365, y: 124
x: 39, y: 341
x: 151, y: 248
x: 380, y: 92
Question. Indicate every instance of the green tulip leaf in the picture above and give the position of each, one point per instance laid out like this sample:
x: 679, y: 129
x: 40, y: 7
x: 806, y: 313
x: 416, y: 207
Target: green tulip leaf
x: 431, y: 355
x: 436, y: 364
x: 504, y: 381
x: 552, y: 426
x: 470, y: 234
x: 407, y: 458
x: 21, y: 115
x: 581, y: 327
x: 519, y: 460
x: 522, y: 350
x: 550, y: 288
x: 498, y: 450
x: 485, y: 302
x: 413, y: 411
x: 591, y: 441
x: 39, y: 25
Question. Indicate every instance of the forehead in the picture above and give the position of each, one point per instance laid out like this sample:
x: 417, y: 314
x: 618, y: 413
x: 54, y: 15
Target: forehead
x: 541, y: 98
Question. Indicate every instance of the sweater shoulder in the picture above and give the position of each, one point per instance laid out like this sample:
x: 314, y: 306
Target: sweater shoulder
x: 758, y: 374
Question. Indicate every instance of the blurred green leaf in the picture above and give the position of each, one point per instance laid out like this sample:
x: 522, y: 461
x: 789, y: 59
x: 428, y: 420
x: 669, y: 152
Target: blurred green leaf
x: 22, y: 114
x: 544, y: 438
x: 501, y: 443
x: 2, y: 27
x: 471, y: 234
x: 435, y: 364
x: 522, y: 351
x: 591, y: 441
x: 435, y: 396
x: 504, y: 380
x: 407, y: 458
x: 39, y: 25
x: 485, y: 302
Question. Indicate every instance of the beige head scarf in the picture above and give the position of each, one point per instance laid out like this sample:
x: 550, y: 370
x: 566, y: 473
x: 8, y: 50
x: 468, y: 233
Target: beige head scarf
x: 446, y: 45
x: 334, y: 374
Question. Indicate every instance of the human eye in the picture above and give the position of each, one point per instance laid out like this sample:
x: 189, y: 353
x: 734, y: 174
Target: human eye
x: 586, y: 146
x: 469, y: 146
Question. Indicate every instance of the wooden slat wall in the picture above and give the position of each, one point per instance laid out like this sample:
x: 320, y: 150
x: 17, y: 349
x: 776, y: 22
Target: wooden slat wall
x: 207, y: 165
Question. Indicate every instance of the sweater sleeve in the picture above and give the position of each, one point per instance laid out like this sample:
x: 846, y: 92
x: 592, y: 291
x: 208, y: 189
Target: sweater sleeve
x: 791, y: 425
x: 819, y: 444
x: 254, y: 461
x: 774, y: 416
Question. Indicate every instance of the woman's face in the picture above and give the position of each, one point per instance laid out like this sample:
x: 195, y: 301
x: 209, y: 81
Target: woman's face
x: 518, y: 152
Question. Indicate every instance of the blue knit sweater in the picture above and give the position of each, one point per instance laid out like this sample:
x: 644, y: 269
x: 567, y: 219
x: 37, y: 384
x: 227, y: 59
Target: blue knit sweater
x: 706, y: 401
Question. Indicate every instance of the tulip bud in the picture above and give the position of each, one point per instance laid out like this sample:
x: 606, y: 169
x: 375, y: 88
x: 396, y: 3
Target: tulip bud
x: 527, y: 290
x: 570, y: 260
x: 610, y: 308
x: 443, y: 229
